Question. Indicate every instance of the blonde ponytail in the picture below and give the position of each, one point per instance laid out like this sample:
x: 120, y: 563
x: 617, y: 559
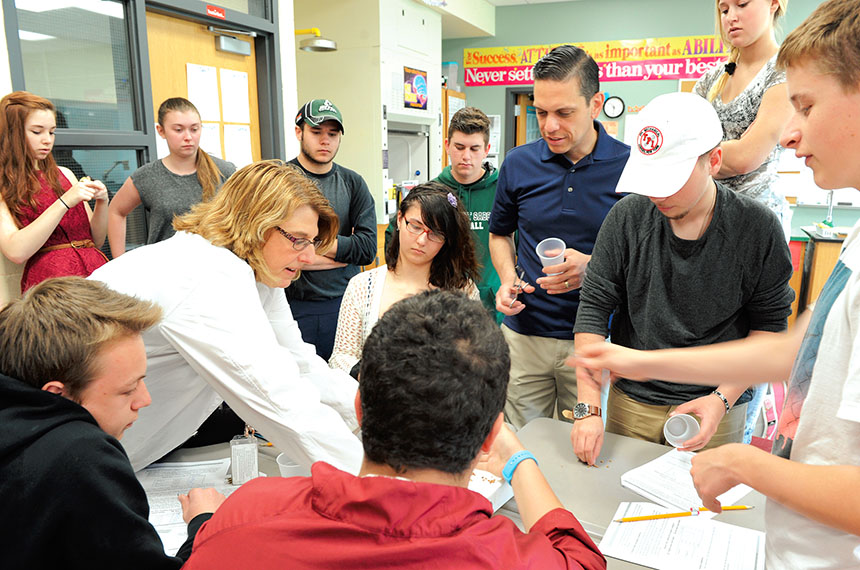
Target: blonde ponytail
x: 208, y: 175
x: 720, y: 83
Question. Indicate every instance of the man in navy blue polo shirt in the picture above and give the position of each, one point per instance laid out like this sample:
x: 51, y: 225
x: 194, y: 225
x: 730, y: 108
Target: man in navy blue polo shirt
x: 560, y: 186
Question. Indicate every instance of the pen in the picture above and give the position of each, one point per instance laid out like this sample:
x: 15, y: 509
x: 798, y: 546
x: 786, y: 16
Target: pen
x: 265, y: 442
x: 691, y: 512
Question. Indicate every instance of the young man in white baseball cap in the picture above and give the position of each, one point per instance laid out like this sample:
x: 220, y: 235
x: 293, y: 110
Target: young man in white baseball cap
x: 682, y: 261
x: 812, y: 475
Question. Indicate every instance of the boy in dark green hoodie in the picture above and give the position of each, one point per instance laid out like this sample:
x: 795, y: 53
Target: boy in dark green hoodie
x: 474, y: 183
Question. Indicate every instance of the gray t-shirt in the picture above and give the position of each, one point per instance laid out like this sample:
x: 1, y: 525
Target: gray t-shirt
x: 165, y: 195
x: 349, y: 196
x: 669, y: 292
x: 736, y: 116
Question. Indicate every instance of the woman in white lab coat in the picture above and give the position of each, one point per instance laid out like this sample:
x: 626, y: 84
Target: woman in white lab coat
x: 228, y: 334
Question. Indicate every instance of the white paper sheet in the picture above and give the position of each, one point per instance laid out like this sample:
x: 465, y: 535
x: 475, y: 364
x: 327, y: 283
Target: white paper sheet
x: 234, y: 96
x: 210, y: 139
x: 667, y: 481
x: 181, y: 477
x: 495, y: 489
x: 164, y: 481
x: 161, y: 148
x: 237, y: 145
x: 454, y: 105
x: 689, y: 543
x: 203, y: 90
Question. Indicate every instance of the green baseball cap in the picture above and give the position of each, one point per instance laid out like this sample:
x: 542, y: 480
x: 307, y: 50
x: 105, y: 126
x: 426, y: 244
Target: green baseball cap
x: 318, y: 111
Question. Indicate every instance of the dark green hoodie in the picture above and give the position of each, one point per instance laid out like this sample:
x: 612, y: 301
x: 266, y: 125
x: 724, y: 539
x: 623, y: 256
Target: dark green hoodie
x: 478, y: 199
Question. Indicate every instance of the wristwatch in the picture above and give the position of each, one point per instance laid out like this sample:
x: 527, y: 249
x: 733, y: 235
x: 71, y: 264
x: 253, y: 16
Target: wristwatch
x: 582, y: 411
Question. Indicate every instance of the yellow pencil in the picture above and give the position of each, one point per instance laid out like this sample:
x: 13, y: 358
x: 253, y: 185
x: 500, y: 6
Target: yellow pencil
x: 684, y: 514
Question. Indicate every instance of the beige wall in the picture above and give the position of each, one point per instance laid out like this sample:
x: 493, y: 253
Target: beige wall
x: 349, y: 77
x: 375, y: 40
x: 286, y: 29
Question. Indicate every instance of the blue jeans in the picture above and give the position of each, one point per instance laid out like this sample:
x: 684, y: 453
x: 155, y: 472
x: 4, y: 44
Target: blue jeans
x: 318, y: 322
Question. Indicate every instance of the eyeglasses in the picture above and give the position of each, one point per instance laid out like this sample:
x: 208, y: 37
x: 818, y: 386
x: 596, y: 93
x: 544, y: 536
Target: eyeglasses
x: 299, y: 243
x: 417, y: 228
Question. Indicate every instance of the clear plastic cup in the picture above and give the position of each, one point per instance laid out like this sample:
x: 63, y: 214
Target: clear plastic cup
x: 679, y: 429
x: 290, y: 468
x: 551, y: 252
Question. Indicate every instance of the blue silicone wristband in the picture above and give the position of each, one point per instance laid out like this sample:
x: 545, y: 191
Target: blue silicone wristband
x: 514, y: 461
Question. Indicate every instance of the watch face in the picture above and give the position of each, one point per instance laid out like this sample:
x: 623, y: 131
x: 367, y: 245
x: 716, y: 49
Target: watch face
x: 613, y: 107
x: 580, y: 411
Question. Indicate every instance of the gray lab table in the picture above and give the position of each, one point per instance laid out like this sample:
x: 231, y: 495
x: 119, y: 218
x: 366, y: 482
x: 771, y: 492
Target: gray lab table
x: 593, y: 493
x: 590, y: 493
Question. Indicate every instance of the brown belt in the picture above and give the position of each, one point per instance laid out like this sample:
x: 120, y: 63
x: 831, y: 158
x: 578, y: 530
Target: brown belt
x: 76, y: 244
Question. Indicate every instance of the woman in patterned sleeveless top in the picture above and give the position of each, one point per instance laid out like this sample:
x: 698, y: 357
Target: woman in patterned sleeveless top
x: 750, y: 97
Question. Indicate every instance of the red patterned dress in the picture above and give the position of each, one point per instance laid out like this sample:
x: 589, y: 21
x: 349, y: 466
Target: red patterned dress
x: 73, y: 229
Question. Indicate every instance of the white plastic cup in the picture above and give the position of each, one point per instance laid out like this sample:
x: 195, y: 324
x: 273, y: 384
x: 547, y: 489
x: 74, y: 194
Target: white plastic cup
x: 551, y: 252
x: 290, y: 468
x: 679, y: 429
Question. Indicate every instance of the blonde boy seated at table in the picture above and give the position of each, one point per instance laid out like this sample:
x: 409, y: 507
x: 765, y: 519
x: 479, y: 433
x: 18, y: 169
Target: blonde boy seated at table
x: 72, y: 364
x: 813, y: 475
x: 434, y: 375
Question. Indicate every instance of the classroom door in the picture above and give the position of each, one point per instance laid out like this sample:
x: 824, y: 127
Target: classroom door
x: 173, y: 43
x: 526, y: 124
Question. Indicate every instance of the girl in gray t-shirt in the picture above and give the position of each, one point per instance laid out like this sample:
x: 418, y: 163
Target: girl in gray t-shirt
x: 172, y: 185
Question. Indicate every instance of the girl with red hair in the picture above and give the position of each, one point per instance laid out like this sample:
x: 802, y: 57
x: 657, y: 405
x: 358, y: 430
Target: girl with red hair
x: 45, y: 220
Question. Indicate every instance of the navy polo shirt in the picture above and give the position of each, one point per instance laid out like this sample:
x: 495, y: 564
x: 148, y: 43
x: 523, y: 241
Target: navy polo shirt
x: 541, y: 194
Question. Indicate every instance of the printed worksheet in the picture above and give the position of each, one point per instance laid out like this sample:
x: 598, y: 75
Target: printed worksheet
x: 163, y: 482
x: 688, y: 543
x: 667, y: 481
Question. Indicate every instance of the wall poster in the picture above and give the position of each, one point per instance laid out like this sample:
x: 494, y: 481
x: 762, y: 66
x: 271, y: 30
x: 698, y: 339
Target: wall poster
x: 414, y: 88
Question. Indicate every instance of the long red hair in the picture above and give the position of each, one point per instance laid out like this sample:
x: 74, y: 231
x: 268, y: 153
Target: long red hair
x: 19, y: 182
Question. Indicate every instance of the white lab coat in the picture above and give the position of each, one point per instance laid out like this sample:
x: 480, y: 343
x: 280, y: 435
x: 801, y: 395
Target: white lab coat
x: 225, y: 337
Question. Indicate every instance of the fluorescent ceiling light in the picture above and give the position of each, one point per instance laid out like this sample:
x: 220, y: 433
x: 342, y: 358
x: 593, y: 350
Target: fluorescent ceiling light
x: 110, y: 9
x: 33, y: 36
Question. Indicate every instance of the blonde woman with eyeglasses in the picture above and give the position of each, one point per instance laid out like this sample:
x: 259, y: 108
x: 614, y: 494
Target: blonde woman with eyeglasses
x: 431, y: 248
x: 228, y: 335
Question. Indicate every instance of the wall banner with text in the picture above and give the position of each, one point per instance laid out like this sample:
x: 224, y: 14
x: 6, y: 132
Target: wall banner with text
x: 686, y: 57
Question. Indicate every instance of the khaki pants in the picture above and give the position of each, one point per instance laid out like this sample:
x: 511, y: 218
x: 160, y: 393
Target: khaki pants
x: 628, y: 417
x: 539, y: 378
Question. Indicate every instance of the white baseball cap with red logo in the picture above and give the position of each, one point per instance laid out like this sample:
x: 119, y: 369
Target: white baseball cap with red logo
x: 676, y: 129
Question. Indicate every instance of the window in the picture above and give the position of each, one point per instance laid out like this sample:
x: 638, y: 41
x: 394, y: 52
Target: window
x: 76, y: 53
x: 112, y: 167
x: 250, y: 7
